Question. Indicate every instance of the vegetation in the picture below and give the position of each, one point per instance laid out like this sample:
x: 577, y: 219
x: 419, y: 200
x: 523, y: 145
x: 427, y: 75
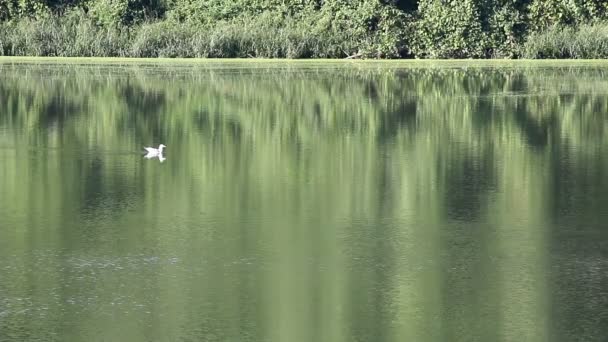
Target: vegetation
x: 304, y: 28
x: 584, y: 41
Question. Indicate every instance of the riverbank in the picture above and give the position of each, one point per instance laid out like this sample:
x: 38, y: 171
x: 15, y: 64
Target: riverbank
x: 303, y: 29
x: 247, y: 63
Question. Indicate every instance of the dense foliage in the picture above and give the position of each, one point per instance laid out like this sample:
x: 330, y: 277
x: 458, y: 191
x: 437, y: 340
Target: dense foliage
x: 304, y: 28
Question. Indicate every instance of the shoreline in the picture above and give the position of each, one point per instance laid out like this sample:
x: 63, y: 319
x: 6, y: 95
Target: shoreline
x: 286, y: 61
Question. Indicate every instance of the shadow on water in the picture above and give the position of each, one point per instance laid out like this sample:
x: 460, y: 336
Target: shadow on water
x: 468, y: 182
x: 398, y: 119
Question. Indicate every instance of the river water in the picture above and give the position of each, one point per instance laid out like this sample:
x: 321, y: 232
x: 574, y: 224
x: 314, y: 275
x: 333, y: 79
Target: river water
x: 304, y: 202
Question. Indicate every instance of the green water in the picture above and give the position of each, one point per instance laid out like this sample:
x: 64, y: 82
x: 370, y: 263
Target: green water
x: 303, y: 202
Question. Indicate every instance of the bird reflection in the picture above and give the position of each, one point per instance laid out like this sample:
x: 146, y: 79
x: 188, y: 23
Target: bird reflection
x: 160, y: 156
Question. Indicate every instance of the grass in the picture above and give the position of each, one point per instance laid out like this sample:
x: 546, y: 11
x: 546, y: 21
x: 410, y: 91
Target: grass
x: 272, y: 34
x: 311, y: 61
x: 582, y: 42
x: 76, y: 34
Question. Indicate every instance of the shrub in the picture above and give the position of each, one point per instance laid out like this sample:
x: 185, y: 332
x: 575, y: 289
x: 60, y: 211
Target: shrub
x: 448, y: 29
x: 504, y: 27
x: 547, y: 13
x: 10, y: 9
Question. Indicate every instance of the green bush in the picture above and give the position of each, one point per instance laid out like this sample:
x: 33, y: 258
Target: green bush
x: 466, y: 29
x: 369, y: 28
x: 110, y: 12
x: 10, y: 9
x: 547, y: 13
x: 504, y: 29
x: 448, y: 29
x: 125, y: 12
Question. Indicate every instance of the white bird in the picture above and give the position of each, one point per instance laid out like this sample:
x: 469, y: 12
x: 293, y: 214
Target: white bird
x: 155, y: 152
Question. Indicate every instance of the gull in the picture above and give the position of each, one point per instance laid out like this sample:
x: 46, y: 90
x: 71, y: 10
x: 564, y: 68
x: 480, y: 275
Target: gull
x: 155, y: 152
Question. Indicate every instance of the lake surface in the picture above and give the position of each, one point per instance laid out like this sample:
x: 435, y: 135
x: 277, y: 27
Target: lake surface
x: 304, y: 202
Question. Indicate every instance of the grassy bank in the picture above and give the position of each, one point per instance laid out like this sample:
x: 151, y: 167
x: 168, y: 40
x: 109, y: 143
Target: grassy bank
x: 587, y: 41
x: 76, y: 33
x: 299, y: 29
x: 63, y: 37
x: 319, y: 63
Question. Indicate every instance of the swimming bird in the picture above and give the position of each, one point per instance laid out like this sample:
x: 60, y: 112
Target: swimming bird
x: 153, y: 152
